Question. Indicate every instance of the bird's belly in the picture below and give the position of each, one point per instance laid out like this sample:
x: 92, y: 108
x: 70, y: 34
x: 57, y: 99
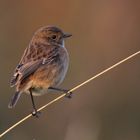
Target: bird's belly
x: 60, y: 74
x: 39, y: 91
x: 47, y: 77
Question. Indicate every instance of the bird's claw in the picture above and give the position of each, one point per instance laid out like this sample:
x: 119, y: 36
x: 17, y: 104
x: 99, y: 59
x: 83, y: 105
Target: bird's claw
x: 36, y: 113
x: 68, y: 95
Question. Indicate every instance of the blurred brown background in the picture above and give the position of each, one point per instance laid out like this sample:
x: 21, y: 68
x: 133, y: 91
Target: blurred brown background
x: 104, y: 32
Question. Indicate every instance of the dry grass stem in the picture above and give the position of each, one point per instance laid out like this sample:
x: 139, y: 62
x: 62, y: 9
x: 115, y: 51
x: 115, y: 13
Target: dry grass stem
x: 73, y: 89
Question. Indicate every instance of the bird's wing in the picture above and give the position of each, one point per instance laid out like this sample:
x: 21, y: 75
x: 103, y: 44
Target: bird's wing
x: 29, y: 66
x: 17, y: 70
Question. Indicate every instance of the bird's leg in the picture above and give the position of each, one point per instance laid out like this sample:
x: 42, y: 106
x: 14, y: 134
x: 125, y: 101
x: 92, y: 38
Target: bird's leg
x: 35, y: 112
x: 68, y: 94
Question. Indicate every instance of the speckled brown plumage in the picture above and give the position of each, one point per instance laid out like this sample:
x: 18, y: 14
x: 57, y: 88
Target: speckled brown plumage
x: 43, y: 64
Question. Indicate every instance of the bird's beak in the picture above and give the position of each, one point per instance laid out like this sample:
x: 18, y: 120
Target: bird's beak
x: 67, y: 35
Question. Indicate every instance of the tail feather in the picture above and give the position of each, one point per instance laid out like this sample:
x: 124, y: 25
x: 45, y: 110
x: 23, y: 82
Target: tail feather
x: 14, y: 100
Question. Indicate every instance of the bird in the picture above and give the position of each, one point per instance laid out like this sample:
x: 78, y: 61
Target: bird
x: 42, y: 67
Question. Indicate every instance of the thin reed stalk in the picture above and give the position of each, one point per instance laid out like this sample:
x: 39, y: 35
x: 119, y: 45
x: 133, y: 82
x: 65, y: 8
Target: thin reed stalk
x: 73, y: 89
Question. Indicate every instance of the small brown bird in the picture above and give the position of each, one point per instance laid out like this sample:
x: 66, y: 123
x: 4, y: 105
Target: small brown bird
x: 43, y: 65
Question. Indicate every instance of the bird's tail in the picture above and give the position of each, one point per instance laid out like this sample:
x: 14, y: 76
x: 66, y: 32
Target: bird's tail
x: 14, y: 100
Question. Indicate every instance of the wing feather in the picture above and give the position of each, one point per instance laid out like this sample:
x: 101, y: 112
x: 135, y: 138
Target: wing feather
x: 16, y: 71
x: 29, y: 66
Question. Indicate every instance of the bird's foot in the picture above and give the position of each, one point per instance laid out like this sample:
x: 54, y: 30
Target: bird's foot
x: 36, y: 113
x: 68, y: 94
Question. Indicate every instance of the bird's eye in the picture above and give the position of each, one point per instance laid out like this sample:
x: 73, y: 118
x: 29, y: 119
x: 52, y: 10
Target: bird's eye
x: 53, y: 37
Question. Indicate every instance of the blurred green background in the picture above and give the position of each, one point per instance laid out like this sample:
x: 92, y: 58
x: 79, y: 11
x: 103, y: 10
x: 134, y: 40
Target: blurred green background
x: 104, y: 32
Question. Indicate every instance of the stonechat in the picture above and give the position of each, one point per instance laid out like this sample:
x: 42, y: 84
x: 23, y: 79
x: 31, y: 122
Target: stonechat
x: 43, y: 65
